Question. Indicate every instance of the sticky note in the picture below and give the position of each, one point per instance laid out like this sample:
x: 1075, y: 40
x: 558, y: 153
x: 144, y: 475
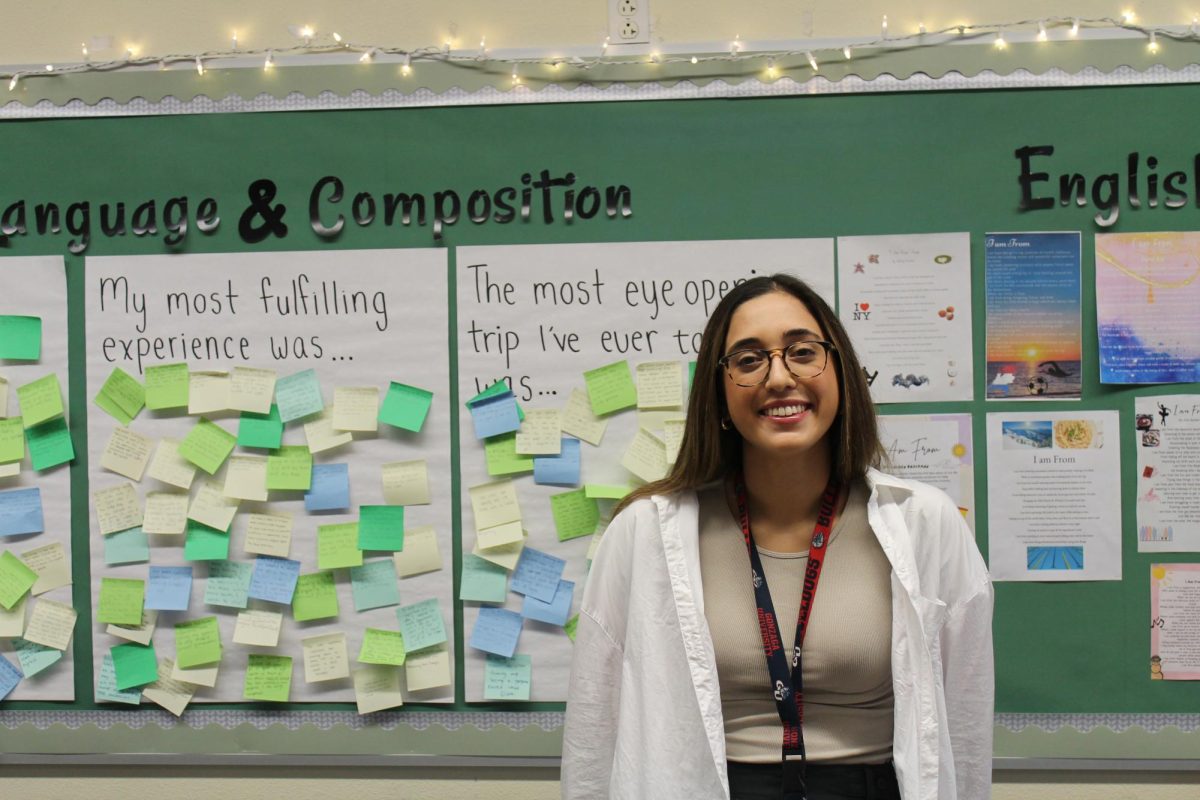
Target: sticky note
x: 575, y: 514
x: 579, y: 421
x: 50, y: 563
x: 12, y: 440
x: 559, y: 470
x: 500, y: 535
x: 171, y: 694
x: 106, y: 686
x: 121, y: 601
x: 571, y: 626
x: 427, y: 670
x: 51, y: 624
x: 263, y: 431
x: 373, y: 585
x: 540, y: 433
x: 197, y: 641
x: 537, y: 574
x: 494, y: 504
x: 35, y: 658
x: 166, y: 386
x: 315, y: 598
x: 10, y: 470
x: 495, y: 415
x: 21, y: 512
x: 274, y: 579
x: 10, y: 676
x: 251, y: 389
x: 421, y: 625
x: 325, y: 658
x: 269, y: 534
x: 320, y: 435
x: 15, y: 579
x: 496, y: 631
x: 356, y: 408
x: 673, y: 437
x: 406, y: 483
x: 12, y: 620
x: 165, y: 513
x: 228, y: 584
x: 207, y: 445
x: 127, y: 453
x: 169, y: 588
x: 126, y: 547
x: 122, y: 396
x: 212, y: 508
x: 268, y: 678
x: 482, y: 581
x: 3, y: 397
x: 258, y: 627
x: 507, y: 678
x: 506, y: 555
x: 381, y: 528
x: 290, y: 468
x: 420, y: 554
x: 170, y: 467
x: 20, y: 337
x: 405, y: 407
x: 118, y: 508
x: 377, y: 688
x: 40, y: 400
x: 503, y: 458
x: 134, y: 665
x: 610, y: 388
x: 140, y: 633
x: 329, y: 489
x: 203, y: 675
x: 660, y: 384
x: 382, y: 647
x: 208, y: 392
x: 49, y: 444
x: 203, y: 543
x: 646, y: 456
x: 554, y: 612
x: 337, y: 546
x: 246, y: 478
x: 604, y: 491
x: 298, y: 395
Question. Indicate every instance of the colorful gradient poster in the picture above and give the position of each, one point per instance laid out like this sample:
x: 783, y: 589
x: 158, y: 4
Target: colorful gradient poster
x: 1034, y: 339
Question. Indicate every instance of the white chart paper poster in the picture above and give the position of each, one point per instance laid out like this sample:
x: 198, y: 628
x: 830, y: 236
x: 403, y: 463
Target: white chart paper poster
x: 37, y: 287
x: 934, y: 449
x: 1054, y: 512
x: 1167, y: 439
x: 360, y: 320
x: 906, y: 301
x: 539, y: 316
x: 1175, y: 622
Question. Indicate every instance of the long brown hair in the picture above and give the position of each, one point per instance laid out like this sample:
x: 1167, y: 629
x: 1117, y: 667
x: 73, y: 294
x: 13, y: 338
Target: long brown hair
x: 709, y: 452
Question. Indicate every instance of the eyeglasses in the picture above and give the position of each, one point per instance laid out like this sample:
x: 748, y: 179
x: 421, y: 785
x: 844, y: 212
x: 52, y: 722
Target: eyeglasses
x: 751, y: 367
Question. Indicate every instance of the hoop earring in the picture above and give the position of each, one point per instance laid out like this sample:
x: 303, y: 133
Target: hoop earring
x: 725, y: 424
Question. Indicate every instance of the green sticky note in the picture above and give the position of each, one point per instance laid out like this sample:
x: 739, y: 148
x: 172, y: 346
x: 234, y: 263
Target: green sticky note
x: 15, y: 579
x: 268, y: 678
x: 122, y: 396
x: 50, y: 444
x: 382, y: 647
x: 482, y: 581
x: 571, y: 626
x: 290, y: 468
x: 121, y: 601
x: 41, y: 400
x: 207, y: 445
x: 20, y: 337
x: 691, y: 374
x: 264, y: 431
x: 135, y: 665
x: 12, y: 440
x: 204, y: 543
x: 374, y: 585
x: 381, y: 528
x: 575, y: 514
x: 337, y: 546
x: 197, y: 641
x: 502, y: 456
x: 167, y: 386
x: 405, y: 407
x: 610, y: 388
x: 499, y: 387
x: 315, y: 597
x: 604, y: 491
x: 299, y: 395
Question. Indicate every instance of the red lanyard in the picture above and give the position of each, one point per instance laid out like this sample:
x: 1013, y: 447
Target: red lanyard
x: 787, y: 682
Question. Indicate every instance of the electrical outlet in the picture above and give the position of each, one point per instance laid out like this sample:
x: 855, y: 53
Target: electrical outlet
x: 629, y: 21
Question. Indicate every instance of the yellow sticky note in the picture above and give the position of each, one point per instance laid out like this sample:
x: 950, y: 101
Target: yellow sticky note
x: 646, y: 456
x: 258, y: 627
x: 325, y: 658
x: 12, y: 620
x: 127, y: 453
x: 251, y: 389
x: 660, y: 384
x: 117, y: 508
x: 505, y: 555
x: 50, y: 563
x: 540, y: 433
x: 142, y: 633
x: 579, y: 421
x: 51, y: 624
x: 208, y: 392
x: 673, y: 437
x: 499, y: 535
x: 198, y: 676
x: 406, y: 483
x: 171, y: 694
x: 356, y: 408
x: 377, y: 687
x: 269, y: 534
x: 246, y: 478
x: 428, y: 669
x: 211, y: 507
x: 494, y: 504
x: 170, y: 467
x: 41, y: 400
x: 166, y: 513
x: 420, y: 553
x: 321, y: 436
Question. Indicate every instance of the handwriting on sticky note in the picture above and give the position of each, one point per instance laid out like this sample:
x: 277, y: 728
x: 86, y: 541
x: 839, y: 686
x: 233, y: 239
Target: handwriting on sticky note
x: 212, y: 507
x: 646, y: 456
x: 579, y: 421
x: 208, y: 392
x: 246, y: 478
x: 610, y: 388
x: 406, y: 483
x: 337, y: 546
x: 325, y: 658
x: 170, y: 467
x: 268, y: 678
x: 537, y: 574
x: 422, y: 625
x: 382, y: 647
x: 207, y: 445
x: 540, y: 433
x: 660, y: 384
x: 40, y: 400
x: 274, y: 579
x: 169, y: 588
x: 50, y: 563
x: 374, y: 585
x: 560, y: 470
x: 251, y: 389
x: 51, y: 624
x: 197, y: 642
x: 376, y: 688
x: 117, y: 508
x: 123, y: 394
x: 502, y: 456
x: 257, y: 627
x: 21, y: 512
x: 495, y: 504
x: 320, y: 434
x: 315, y: 598
x: 15, y: 579
x: 290, y: 468
x: 166, y: 513
x: 127, y: 453
x: 356, y: 408
x: 428, y: 669
x: 228, y: 584
x: 507, y: 678
x: 329, y: 489
x: 497, y: 631
x: 167, y: 387
x: 269, y: 534
x: 298, y: 395
x: 575, y: 514
x: 420, y: 554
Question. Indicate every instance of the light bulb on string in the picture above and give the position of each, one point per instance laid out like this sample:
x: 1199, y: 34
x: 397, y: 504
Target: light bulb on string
x: 406, y: 68
x: 307, y: 33
x: 695, y: 60
x: 735, y: 46
x: 234, y: 40
x: 771, y: 71
x: 1127, y: 16
x: 516, y: 79
x: 337, y: 38
x: 1041, y: 34
x: 604, y: 45
x: 49, y: 68
x: 812, y: 60
x: 482, y: 46
x: 655, y: 57
x: 1192, y: 28
x: 83, y: 49
x: 130, y: 52
x: 366, y: 57
x: 199, y: 66
x: 1152, y: 46
x: 846, y: 52
x: 921, y: 28
x: 270, y: 62
x: 12, y: 84
x: 1074, y: 27
x: 1000, y: 44
x: 883, y: 27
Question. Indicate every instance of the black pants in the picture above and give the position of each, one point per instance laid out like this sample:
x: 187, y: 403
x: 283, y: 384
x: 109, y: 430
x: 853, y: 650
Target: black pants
x: 824, y: 781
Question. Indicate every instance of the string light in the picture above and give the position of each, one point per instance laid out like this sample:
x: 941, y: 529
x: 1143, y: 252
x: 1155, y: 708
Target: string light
x: 1127, y: 16
x: 1075, y: 27
x: 1041, y: 34
x: 655, y: 58
x: 1000, y: 44
x: 406, y: 68
x: 1195, y: 21
x: 846, y: 52
x: 695, y: 60
x: 883, y: 27
x: 270, y: 62
x: 771, y: 71
x: 367, y: 55
x: 83, y: 49
x: 735, y: 46
x: 921, y: 28
x: 516, y: 79
x: 482, y: 46
x: 812, y: 60
x: 307, y: 33
x: 49, y: 68
x: 235, y: 41
x: 199, y: 66
x: 1153, y: 45
x: 337, y: 37
x: 12, y: 85
x: 130, y: 52
x: 604, y: 45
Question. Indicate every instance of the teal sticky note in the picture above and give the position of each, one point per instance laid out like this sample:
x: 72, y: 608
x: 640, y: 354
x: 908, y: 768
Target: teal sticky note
x: 406, y: 407
x: 299, y: 395
x: 204, y: 543
x: 228, y: 583
x: 135, y: 665
x: 106, y: 686
x: 381, y: 528
x: 374, y: 585
x: 35, y: 657
x: 264, y: 431
x: 482, y: 581
x: 49, y: 444
x: 422, y: 625
x: 20, y: 337
x: 126, y: 547
x: 507, y: 678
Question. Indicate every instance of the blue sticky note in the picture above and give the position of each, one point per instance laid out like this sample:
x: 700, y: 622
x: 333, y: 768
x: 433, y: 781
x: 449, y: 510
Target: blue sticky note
x: 330, y: 488
x: 537, y: 574
x: 106, y: 686
x: 559, y: 470
x: 21, y: 512
x: 126, y: 547
x: 228, y: 583
x: 556, y: 612
x: 274, y: 579
x: 497, y: 631
x: 495, y: 415
x: 482, y: 581
x: 374, y: 585
x: 169, y: 589
x: 10, y: 676
x: 421, y: 625
x: 35, y: 657
x: 298, y: 396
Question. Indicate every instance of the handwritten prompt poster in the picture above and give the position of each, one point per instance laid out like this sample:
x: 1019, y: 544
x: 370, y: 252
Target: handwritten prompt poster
x: 33, y: 354
x: 934, y: 449
x: 596, y: 344
x: 264, y: 418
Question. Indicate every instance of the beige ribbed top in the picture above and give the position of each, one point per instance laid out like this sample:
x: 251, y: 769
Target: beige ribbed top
x: 847, y: 651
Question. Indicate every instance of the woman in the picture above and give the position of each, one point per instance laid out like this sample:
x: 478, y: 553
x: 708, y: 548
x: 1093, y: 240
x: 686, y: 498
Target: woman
x: 683, y: 684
